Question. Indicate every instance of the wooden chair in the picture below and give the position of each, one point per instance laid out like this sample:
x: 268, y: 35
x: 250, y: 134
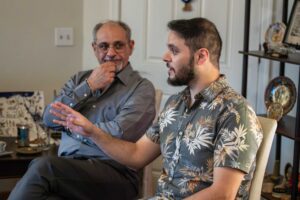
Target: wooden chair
x: 148, y: 178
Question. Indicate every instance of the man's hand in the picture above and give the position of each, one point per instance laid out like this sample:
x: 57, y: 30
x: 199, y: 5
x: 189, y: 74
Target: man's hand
x: 102, y: 76
x: 71, y: 119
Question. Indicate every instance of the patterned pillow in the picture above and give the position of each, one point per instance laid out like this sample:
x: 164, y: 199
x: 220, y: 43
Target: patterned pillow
x: 19, y: 109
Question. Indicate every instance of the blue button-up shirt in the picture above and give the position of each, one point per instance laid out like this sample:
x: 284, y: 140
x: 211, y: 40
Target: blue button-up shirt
x: 125, y: 110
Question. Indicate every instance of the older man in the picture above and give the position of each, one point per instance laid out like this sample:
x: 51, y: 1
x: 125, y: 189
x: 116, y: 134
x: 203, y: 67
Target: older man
x: 114, y: 98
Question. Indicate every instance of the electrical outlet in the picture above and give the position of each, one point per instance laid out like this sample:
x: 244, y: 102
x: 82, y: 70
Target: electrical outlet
x: 63, y: 36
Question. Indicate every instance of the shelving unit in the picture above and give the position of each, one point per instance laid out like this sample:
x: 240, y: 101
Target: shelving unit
x: 288, y: 126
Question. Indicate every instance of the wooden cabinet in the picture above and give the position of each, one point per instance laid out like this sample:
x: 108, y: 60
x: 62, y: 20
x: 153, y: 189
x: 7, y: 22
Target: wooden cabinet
x: 288, y: 126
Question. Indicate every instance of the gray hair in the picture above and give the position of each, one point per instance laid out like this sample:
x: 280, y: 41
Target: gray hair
x: 120, y: 23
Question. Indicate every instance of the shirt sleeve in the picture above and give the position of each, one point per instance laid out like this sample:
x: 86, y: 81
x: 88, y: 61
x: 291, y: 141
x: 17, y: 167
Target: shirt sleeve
x: 153, y: 133
x: 238, y: 139
x: 74, y: 93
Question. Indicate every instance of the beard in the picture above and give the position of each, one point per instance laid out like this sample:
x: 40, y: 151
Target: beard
x: 184, y: 75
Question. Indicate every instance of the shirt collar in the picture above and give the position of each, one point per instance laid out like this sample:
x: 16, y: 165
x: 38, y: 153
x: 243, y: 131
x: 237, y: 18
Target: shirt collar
x: 210, y: 92
x: 124, y: 74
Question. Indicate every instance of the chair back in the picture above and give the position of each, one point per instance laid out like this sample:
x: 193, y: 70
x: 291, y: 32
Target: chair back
x: 148, y: 186
x: 269, y: 128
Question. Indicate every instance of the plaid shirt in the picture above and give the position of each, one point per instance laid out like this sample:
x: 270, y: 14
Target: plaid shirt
x: 219, y: 130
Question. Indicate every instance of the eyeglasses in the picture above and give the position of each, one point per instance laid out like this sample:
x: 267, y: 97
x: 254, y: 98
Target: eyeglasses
x: 118, y: 46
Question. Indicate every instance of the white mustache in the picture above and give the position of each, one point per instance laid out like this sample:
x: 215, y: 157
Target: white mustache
x: 108, y: 58
x: 111, y: 59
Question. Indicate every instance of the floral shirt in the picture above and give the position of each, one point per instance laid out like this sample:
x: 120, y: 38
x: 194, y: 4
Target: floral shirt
x: 219, y: 130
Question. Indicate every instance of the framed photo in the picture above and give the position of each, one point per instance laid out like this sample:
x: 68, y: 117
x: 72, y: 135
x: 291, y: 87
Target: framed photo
x: 292, y: 34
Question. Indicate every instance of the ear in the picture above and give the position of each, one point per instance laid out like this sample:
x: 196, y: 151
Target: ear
x: 94, y: 46
x: 131, y: 46
x: 202, y: 55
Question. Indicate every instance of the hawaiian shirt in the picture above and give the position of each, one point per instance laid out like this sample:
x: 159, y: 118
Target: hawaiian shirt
x: 219, y: 130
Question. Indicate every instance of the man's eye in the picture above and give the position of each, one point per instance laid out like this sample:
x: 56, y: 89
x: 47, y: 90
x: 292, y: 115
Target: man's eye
x: 103, y: 46
x: 119, y: 45
x: 174, y: 51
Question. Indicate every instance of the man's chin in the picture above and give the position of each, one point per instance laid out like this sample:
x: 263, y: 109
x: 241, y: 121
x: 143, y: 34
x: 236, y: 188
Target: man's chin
x: 175, y: 82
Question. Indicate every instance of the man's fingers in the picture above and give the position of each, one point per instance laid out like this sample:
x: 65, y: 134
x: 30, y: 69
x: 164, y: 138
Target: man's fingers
x: 59, y: 115
x: 71, y: 119
x: 59, y: 122
x: 62, y: 108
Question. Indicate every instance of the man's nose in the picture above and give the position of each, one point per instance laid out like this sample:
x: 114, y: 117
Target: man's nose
x: 111, y: 51
x: 166, y: 57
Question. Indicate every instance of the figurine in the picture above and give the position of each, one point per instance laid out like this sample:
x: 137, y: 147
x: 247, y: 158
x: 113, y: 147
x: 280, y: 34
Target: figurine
x: 273, y: 45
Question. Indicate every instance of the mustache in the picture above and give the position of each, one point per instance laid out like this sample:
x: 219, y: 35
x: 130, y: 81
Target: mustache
x: 107, y: 59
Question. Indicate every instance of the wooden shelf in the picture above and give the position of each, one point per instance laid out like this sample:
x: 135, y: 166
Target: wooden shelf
x: 293, y: 58
x: 270, y: 197
x: 286, y: 127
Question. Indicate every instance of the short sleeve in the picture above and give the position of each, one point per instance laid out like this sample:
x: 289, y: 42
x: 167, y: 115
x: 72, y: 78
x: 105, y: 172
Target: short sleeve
x: 239, y: 137
x: 153, y: 133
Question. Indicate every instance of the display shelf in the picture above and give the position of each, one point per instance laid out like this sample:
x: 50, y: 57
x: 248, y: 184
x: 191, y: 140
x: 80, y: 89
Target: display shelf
x: 269, y: 196
x: 286, y: 127
x: 293, y: 58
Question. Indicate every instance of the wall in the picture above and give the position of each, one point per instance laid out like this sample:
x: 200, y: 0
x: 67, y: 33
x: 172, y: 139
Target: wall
x: 29, y: 60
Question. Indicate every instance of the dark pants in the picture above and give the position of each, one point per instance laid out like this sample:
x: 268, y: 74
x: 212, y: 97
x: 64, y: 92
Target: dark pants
x: 81, y: 178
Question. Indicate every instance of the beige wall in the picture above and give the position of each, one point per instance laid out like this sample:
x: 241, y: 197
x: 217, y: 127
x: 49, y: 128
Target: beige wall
x: 29, y: 60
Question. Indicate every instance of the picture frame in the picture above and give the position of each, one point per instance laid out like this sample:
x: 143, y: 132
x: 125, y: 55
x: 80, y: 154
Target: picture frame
x: 292, y: 34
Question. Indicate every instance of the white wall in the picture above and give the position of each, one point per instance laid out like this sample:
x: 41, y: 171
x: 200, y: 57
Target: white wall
x: 29, y: 60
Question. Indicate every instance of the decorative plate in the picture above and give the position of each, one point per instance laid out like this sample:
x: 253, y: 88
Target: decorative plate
x: 281, y: 90
x: 28, y: 150
x: 275, y: 33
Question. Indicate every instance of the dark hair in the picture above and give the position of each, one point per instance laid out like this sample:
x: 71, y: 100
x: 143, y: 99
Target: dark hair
x: 121, y: 24
x: 199, y: 33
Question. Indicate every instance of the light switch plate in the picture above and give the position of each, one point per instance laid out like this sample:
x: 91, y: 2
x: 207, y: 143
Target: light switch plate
x: 63, y: 36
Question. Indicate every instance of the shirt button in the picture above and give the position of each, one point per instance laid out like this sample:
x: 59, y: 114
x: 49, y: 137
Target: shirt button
x: 180, y: 133
x: 85, y: 95
x: 94, y: 106
x: 78, y: 136
x: 170, y: 178
x: 71, y: 104
x: 84, y: 140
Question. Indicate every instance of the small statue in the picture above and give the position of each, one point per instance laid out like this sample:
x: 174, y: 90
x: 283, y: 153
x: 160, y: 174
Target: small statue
x: 284, y: 188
